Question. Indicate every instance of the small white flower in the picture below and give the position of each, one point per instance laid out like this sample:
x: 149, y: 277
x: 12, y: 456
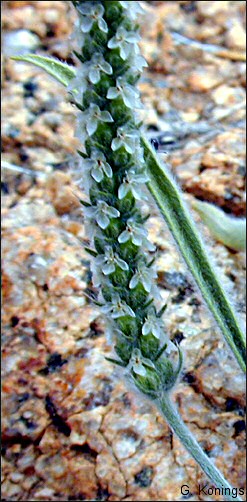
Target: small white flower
x: 137, y: 234
x: 77, y: 38
x: 127, y: 138
x: 152, y: 325
x: 134, y: 232
x: 125, y: 41
x: 118, y: 308
x: 92, y: 116
x: 128, y: 93
x: 91, y: 13
x: 109, y: 261
x: 78, y: 84
x: 138, y: 362
x: 145, y: 276
x: 98, y: 278
x: 133, y: 9
x: 97, y: 65
x: 81, y: 131
x: 133, y: 183
x: 102, y: 213
x: 138, y: 155
x: 97, y: 166
x: 138, y: 62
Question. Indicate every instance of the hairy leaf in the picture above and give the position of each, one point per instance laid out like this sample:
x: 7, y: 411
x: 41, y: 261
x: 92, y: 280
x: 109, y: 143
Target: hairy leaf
x: 62, y: 72
x: 224, y: 228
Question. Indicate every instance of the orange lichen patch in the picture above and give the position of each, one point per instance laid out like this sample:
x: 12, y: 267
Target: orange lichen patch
x: 67, y: 283
x: 53, y: 441
x: 82, y: 480
x: 7, y: 286
x: 61, y: 194
x: 85, y: 425
x: 75, y: 373
x: 204, y: 79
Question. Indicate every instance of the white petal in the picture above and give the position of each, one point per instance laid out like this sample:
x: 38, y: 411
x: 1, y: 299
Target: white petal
x: 94, y: 76
x: 97, y: 174
x: 106, y: 67
x: 122, y: 264
x: 90, y: 211
x: 106, y: 117
x: 137, y: 192
x: 116, y: 144
x: 124, y: 51
x: 112, y: 93
x: 108, y: 268
x: 86, y: 24
x: 128, y: 147
x: 137, y: 240
x: 124, y: 237
x: 102, y: 25
x: 149, y: 245
x: 134, y: 281
x: 129, y: 311
x: 132, y: 37
x: 130, y: 101
x: 113, y: 212
x: 147, y: 284
x: 122, y: 191
x: 156, y: 332
x: 91, y: 126
x: 99, y: 10
x: 112, y: 44
x: 96, y: 280
x: 146, y: 328
x: 102, y: 220
x: 139, y: 369
x: 107, y: 169
x: 84, y: 8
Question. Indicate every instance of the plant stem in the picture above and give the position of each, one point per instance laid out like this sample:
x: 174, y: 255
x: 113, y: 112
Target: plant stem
x: 170, y: 413
x: 183, y: 230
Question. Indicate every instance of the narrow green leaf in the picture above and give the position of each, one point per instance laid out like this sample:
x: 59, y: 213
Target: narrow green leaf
x: 91, y: 251
x: 184, y: 231
x: 224, y: 228
x: 115, y: 361
x: 62, y: 72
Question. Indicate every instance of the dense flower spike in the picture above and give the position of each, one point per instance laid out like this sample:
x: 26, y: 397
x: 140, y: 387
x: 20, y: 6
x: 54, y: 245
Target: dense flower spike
x: 114, y: 177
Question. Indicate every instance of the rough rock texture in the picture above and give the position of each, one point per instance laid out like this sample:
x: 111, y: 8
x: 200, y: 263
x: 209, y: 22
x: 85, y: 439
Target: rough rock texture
x: 71, y: 428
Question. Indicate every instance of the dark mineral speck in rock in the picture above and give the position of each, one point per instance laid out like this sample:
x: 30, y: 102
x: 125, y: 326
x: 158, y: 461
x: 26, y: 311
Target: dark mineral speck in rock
x: 30, y: 87
x: 239, y: 427
x: 144, y: 477
x: 57, y: 420
x: 173, y: 280
x: 4, y: 188
x: 54, y: 362
x: 189, y: 378
x: 232, y: 404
